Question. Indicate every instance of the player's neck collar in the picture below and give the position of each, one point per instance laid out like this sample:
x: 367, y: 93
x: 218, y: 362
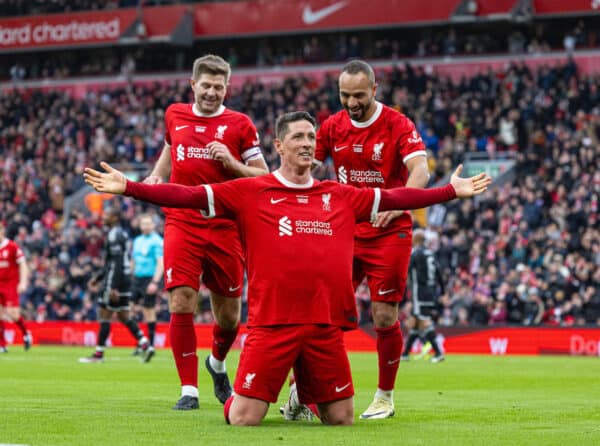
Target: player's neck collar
x: 371, y: 120
x: 197, y: 112
x: 277, y: 174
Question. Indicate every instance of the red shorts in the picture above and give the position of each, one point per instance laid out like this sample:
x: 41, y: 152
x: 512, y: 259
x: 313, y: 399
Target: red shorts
x: 315, y: 352
x: 8, y: 295
x: 215, y: 254
x: 385, y: 262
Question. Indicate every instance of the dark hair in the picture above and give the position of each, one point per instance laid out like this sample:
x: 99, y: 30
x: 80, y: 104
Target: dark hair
x: 112, y: 210
x: 283, y: 122
x: 359, y: 66
x: 211, y: 64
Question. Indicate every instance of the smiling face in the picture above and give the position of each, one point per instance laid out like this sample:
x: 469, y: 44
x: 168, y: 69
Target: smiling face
x: 357, y: 95
x: 209, y: 92
x: 297, y: 146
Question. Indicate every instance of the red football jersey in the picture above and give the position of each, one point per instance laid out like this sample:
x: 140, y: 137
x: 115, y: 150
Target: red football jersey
x: 10, y: 257
x: 298, y: 245
x: 371, y: 154
x: 188, y: 132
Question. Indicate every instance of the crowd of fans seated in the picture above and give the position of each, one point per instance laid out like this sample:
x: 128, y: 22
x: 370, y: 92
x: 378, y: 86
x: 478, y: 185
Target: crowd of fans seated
x: 527, y: 252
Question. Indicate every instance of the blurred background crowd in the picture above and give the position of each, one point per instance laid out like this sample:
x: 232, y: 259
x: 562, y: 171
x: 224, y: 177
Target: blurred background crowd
x: 527, y: 252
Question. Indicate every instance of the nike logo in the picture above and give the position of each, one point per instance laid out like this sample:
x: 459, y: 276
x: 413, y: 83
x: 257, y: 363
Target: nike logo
x: 310, y: 17
x: 278, y: 200
x: 384, y: 292
x: 337, y: 149
x: 179, y: 127
x: 188, y: 354
x: 232, y: 289
x: 339, y: 389
x: 390, y: 362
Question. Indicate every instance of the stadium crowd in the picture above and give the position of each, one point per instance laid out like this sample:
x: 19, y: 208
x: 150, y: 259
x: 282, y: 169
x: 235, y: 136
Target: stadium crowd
x: 291, y: 50
x: 528, y: 252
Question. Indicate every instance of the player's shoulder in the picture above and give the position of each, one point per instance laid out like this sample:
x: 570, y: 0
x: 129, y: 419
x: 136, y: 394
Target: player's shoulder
x: 235, y: 115
x: 339, y: 118
x: 395, y: 117
x: 179, y: 108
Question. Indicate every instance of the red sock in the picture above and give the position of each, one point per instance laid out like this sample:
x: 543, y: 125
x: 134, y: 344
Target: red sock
x: 226, y: 408
x: 183, y: 344
x: 314, y: 409
x: 389, y: 349
x: 222, y: 341
x: 21, y: 324
x: 2, y: 341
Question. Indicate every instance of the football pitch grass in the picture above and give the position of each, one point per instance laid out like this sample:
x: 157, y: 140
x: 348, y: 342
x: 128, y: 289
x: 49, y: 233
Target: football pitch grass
x: 48, y: 398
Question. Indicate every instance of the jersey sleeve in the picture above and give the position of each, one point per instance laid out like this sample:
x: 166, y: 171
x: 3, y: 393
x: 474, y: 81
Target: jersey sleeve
x: 364, y: 201
x: 409, y: 142
x: 19, y: 255
x: 226, y: 199
x: 249, y: 141
x: 168, y: 118
x: 323, y: 143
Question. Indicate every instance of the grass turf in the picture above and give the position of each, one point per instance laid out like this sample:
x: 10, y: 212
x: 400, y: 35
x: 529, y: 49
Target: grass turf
x: 48, y: 398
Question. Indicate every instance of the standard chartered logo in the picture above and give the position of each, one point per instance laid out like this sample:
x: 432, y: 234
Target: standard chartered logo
x: 285, y: 226
x: 366, y: 176
x: 192, y: 152
x: 342, y: 175
x: 180, y: 152
x: 315, y: 227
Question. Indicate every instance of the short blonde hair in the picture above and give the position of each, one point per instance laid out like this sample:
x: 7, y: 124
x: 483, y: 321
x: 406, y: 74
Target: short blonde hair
x: 211, y: 64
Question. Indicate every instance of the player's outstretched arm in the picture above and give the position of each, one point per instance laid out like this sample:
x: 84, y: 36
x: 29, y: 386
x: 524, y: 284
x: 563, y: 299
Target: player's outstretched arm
x: 468, y: 187
x: 111, y: 180
x: 410, y: 198
x: 169, y: 195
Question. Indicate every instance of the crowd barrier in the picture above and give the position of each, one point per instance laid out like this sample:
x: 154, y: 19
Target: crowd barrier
x: 467, y: 340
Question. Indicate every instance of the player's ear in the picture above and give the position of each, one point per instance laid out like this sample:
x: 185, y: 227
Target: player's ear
x: 278, y: 145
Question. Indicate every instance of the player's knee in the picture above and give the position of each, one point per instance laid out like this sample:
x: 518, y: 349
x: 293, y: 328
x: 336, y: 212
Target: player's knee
x: 182, y: 300
x: 244, y: 418
x: 228, y: 321
x: 227, y: 313
x: 384, y: 314
x: 343, y: 417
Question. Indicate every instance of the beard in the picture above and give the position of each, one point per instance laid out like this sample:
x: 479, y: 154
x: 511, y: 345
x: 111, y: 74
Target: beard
x: 359, y: 113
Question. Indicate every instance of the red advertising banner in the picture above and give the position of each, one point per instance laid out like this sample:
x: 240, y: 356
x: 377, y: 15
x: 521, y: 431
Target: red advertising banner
x: 220, y: 19
x: 490, y: 341
x: 562, y: 7
x: 492, y: 7
x: 85, y: 333
x: 65, y: 29
x: 522, y: 341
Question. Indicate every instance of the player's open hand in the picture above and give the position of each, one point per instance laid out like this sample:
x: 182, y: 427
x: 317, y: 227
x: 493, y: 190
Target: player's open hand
x: 111, y: 180
x: 468, y: 187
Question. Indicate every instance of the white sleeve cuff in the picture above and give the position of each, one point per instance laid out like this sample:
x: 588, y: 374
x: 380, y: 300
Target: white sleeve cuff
x: 376, y: 201
x: 414, y: 155
x: 211, y: 203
